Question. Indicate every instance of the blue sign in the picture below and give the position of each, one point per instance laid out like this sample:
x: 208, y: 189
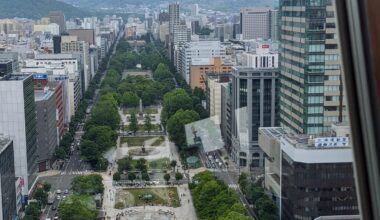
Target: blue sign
x: 39, y: 76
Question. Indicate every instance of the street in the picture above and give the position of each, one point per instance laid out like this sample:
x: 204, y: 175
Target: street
x: 73, y: 166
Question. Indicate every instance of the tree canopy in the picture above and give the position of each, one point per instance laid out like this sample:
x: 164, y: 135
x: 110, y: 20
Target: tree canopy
x: 176, y: 126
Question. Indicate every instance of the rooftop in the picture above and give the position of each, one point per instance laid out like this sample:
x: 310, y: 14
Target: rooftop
x: 15, y: 77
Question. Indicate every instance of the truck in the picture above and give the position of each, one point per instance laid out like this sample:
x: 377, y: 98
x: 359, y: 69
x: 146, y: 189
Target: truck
x: 51, y: 198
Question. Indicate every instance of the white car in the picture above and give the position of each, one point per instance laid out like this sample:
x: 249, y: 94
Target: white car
x: 59, y: 191
x: 58, y: 197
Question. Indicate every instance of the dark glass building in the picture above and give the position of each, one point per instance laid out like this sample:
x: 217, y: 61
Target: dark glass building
x: 7, y: 180
x: 316, y: 181
x: 254, y: 104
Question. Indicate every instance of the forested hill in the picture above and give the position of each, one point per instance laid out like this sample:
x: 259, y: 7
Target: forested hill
x: 35, y: 9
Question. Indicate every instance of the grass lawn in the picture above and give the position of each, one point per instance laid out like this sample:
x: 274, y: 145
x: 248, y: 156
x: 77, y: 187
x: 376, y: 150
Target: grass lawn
x: 163, y: 163
x: 160, y: 196
x: 135, y: 141
x: 158, y: 141
x: 86, y: 199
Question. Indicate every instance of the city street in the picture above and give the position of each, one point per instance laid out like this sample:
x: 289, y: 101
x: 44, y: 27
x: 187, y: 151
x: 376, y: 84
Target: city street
x: 73, y: 166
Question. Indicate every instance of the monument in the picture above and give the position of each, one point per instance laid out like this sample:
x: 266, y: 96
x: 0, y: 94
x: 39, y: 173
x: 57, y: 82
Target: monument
x: 141, y: 113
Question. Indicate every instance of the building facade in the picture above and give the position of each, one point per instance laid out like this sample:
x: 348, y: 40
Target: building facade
x: 18, y: 120
x: 200, y: 67
x: 59, y: 18
x: 46, y: 128
x: 312, y: 90
x: 199, y: 49
x: 8, y: 208
x: 260, y: 22
x: 173, y: 16
x: 254, y: 104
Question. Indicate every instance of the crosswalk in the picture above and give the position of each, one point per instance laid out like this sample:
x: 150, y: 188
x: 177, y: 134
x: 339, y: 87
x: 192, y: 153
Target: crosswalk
x: 75, y: 172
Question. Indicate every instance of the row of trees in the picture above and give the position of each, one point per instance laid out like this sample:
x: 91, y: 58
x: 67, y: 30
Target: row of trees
x: 213, y: 199
x: 33, y: 210
x: 100, y: 132
x: 263, y: 205
x: 76, y: 206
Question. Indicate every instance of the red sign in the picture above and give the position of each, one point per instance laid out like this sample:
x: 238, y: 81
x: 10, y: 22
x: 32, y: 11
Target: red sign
x: 265, y: 46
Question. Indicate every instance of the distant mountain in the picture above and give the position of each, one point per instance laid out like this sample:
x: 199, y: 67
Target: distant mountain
x: 222, y: 5
x: 35, y: 9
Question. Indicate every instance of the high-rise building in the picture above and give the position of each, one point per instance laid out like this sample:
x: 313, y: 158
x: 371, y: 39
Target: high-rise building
x: 8, y: 202
x: 254, y: 104
x: 87, y: 35
x: 173, y: 16
x: 260, y: 22
x: 213, y: 91
x: 46, y: 128
x: 194, y: 10
x: 163, y: 17
x: 312, y: 90
x: 308, y: 176
x: 59, y: 18
x: 18, y: 120
x: 199, y: 49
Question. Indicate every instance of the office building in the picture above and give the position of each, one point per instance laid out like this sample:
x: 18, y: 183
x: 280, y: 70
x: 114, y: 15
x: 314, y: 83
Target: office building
x: 87, y: 35
x: 173, y: 16
x: 254, y: 104
x: 260, y: 22
x: 46, y: 128
x: 163, y: 31
x: 59, y: 18
x: 163, y: 17
x: 261, y: 57
x: 194, y: 10
x: 312, y: 90
x: 5, y: 67
x: 18, y: 120
x: 71, y: 45
x: 198, y: 49
x: 200, y: 67
x: 57, y: 88
x: 310, y: 177
x: 226, y: 116
x: 8, y: 208
x: 213, y: 92
x: 13, y: 56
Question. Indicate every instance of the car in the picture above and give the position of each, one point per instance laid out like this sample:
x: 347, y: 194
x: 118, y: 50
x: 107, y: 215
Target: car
x: 63, y: 197
x: 54, y: 207
x: 58, y: 197
x: 59, y: 191
x: 56, y: 217
x: 66, y: 191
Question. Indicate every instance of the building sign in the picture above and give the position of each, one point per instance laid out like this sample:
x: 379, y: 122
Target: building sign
x: 264, y: 46
x: 40, y: 76
x: 331, y: 142
x: 61, y: 78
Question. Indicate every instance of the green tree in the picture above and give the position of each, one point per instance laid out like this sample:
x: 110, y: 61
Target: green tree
x: 130, y: 99
x: 41, y: 196
x: 76, y: 208
x: 90, y: 151
x: 167, y: 177
x: 243, y: 181
x: 47, y: 186
x: 131, y: 176
x: 133, y: 124
x: 176, y: 126
x: 124, y: 164
x: 103, y: 136
x: 32, y: 211
x: 265, y: 208
x: 60, y: 153
x: 174, y: 101
x: 88, y: 184
x: 178, y: 176
x: 235, y: 216
x: 105, y: 112
x: 148, y: 122
x: 145, y: 176
x: 173, y: 163
x: 116, y: 176
x: 141, y: 165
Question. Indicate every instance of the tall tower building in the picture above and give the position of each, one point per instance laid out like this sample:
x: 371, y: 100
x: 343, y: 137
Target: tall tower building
x: 312, y: 93
x: 173, y: 16
x: 260, y: 22
x: 59, y: 18
x: 18, y: 120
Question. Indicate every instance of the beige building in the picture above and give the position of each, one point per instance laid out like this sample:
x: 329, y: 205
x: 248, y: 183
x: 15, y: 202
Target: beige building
x: 202, y: 66
x: 214, y: 85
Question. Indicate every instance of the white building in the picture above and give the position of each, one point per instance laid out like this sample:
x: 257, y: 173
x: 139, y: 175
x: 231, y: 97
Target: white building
x: 262, y: 57
x: 199, y: 49
x: 18, y: 120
